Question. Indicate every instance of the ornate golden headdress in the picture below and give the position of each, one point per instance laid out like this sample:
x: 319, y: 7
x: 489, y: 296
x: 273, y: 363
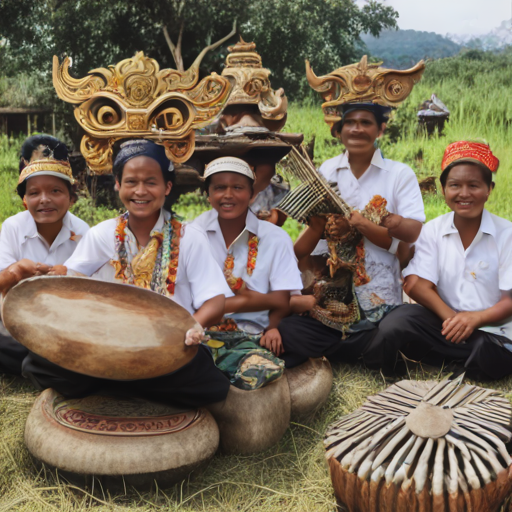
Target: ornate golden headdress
x: 43, y: 163
x: 135, y: 99
x: 363, y: 83
x: 251, y: 85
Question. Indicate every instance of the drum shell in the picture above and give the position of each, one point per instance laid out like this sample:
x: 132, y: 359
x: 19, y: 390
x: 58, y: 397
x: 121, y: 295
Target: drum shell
x: 100, y: 329
x: 117, y: 461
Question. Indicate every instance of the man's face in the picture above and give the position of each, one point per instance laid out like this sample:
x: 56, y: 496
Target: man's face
x: 359, y: 132
x: 143, y: 188
x: 47, y: 199
x: 465, y: 191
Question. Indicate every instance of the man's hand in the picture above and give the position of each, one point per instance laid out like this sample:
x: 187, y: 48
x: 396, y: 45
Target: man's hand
x: 317, y: 224
x: 58, y: 270
x: 337, y: 225
x: 271, y: 340
x: 459, y: 328
x: 392, y: 221
x: 357, y: 221
x: 25, y: 268
x: 195, y: 335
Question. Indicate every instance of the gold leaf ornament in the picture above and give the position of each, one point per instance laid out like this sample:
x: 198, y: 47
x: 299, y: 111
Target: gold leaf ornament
x: 363, y: 83
x: 135, y: 99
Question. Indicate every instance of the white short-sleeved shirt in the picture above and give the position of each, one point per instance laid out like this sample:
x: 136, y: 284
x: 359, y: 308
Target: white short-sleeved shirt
x: 471, y: 279
x: 20, y: 239
x: 276, y: 264
x: 198, y: 279
x: 395, y: 182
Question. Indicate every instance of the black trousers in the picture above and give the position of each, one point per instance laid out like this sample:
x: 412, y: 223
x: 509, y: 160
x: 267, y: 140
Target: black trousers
x: 12, y: 353
x: 416, y: 332
x: 196, y: 384
x: 304, y: 337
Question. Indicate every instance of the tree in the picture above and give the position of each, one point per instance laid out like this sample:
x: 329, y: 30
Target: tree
x: 96, y: 33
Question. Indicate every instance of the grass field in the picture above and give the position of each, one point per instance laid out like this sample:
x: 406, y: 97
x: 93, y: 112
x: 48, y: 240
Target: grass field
x: 291, y: 476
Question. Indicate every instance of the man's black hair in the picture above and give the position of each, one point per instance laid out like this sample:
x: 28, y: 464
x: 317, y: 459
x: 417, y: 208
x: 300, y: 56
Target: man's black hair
x: 59, y: 149
x: 53, y: 145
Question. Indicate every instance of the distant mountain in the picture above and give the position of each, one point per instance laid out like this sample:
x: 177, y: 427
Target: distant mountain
x: 494, y: 40
x: 401, y: 49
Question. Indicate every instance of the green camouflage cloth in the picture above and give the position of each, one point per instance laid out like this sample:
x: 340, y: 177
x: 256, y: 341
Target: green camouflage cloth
x: 245, y: 363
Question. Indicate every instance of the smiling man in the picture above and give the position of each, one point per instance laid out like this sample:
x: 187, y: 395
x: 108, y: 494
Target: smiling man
x: 148, y: 247
x: 44, y: 235
x: 460, y: 276
x: 361, y: 280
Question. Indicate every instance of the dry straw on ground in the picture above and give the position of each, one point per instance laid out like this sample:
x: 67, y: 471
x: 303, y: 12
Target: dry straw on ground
x: 291, y: 476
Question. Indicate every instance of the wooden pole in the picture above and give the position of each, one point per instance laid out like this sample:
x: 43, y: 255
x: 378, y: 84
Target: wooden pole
x: 53, y: 124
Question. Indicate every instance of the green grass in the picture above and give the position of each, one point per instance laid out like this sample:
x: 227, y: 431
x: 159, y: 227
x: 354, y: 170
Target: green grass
x: 289, y: 477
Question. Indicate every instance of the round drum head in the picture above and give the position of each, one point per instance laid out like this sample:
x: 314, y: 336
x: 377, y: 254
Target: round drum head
x: 104, y: 330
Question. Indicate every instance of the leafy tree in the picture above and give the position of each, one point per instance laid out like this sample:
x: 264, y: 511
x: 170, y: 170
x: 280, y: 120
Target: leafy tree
x: 100, y: 32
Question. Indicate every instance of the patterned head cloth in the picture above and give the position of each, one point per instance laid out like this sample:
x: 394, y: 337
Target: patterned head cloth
x: 142, y: 147
x: 43, y: 163
x: 474, y: 152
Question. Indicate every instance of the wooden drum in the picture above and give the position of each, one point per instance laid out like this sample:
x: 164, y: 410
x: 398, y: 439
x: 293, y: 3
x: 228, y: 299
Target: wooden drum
x: 105, y: 330
x: 119, y: 441
x: 423, y: 446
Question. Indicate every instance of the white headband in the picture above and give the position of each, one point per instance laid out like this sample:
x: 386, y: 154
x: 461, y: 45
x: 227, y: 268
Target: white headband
x: 229, y: 164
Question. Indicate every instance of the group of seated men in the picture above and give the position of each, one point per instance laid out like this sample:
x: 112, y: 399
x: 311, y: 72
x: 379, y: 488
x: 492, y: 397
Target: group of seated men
x: 228, y: 264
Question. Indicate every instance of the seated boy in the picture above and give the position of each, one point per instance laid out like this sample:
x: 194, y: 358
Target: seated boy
x: 148, y: 247
x: 459, y: 276
x: 44, y: 235
x: 257, y: 257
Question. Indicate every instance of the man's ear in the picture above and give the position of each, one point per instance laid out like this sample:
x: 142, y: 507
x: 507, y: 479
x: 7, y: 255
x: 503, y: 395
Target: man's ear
x: 382, y: 129
x: 117, y: 186
x: 168, y: 187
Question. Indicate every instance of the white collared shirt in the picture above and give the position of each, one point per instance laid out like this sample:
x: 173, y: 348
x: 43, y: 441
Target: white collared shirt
x: 276, y: 264
x: 395, y: 182
x: 471, y: 279
x: 198, y: 279
x: 20, y: 239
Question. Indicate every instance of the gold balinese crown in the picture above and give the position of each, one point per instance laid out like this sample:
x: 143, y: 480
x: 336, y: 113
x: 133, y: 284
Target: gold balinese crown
x: 363, y: 83
x: 43, y: 162
x: 251, y: 85
x: 136, y: 99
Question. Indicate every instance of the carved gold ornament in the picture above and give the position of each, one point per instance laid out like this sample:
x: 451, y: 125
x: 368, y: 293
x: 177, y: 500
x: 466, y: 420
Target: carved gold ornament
x: 363, y: 83
x: 136, y: 99
x: 251, y: 85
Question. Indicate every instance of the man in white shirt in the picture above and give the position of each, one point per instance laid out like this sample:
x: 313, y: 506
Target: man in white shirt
x: 148, y: 247
x: 363, y: 178
x: 261, y: 254
x: 46, y: 234
x: 460, y: 277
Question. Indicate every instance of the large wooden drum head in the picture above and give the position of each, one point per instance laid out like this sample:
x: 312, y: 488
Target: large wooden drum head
x: 423, y: 446
x: 104, y: 330
x: 119, y: 442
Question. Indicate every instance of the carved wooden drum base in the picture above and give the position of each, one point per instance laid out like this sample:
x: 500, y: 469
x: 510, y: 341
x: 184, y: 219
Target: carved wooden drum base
x: 121, y: 442
x: 310, y: 384
x: 252, y: 421
x: 423, y: 446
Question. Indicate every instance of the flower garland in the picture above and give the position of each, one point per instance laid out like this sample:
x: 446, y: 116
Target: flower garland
x: 165, y: 266
x: 237, y: 284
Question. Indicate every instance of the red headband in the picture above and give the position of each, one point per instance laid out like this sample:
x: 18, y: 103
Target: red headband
x: 470, y: 151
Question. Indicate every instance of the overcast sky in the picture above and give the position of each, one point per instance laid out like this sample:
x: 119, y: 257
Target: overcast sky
x: 453, y: 16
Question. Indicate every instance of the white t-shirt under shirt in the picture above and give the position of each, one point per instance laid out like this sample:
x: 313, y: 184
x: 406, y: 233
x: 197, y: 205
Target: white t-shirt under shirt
x: 471, y: 279
x: 395, y: 182
x: 276, y: 265
x: 198, y: 279
x: 20, y: 239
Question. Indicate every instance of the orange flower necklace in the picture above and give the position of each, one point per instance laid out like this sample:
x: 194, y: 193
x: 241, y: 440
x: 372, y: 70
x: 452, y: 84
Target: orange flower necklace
x: 237, y: 284
x: 156, y: 268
